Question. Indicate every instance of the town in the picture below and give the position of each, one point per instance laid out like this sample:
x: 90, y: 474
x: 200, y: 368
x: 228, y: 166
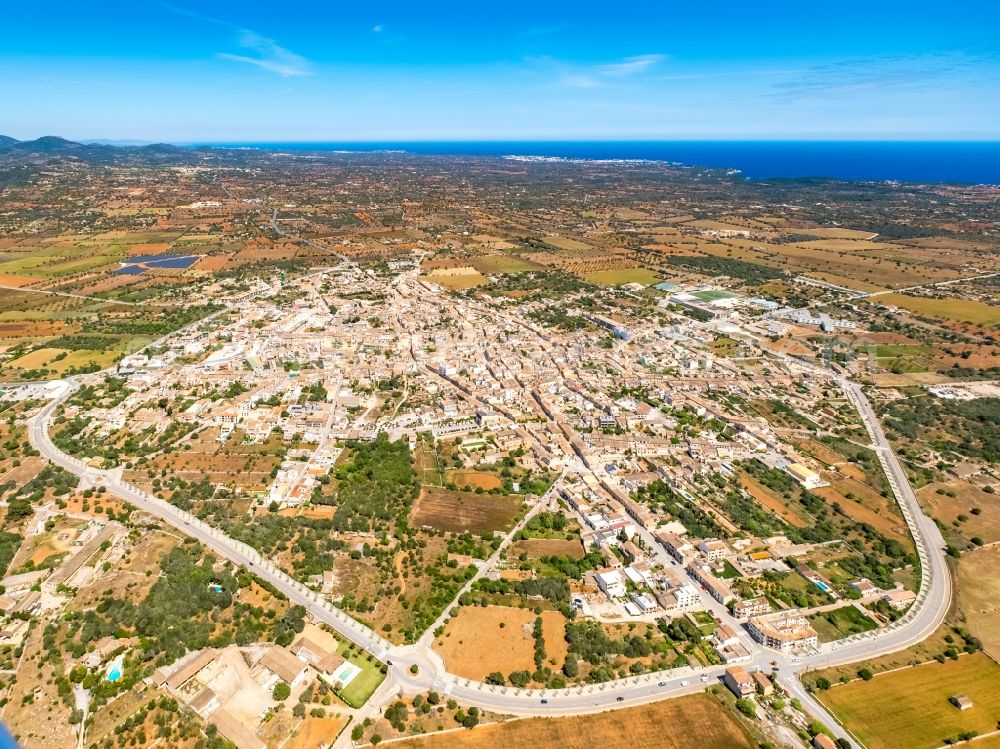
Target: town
x: 362, y: 484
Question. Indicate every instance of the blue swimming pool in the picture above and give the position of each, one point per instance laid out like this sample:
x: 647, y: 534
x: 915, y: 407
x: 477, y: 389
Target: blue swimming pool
x: 115, y: 673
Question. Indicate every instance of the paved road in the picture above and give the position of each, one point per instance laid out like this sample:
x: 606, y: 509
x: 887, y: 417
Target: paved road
x: 926, y: 614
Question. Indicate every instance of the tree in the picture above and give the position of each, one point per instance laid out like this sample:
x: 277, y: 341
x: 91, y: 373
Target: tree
x: 747, y: 707
x: 520, y: 678
x: 281, y: 691
x: 865, y: 673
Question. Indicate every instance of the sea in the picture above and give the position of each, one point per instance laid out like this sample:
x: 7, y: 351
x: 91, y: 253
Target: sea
x: 959, y: 162
x: 6, y: 740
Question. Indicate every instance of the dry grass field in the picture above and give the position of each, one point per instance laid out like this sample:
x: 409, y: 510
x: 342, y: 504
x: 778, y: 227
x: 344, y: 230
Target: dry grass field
x: 133, y: 578
x: 961, y: 310
x: 695, y: 722
x: 565, y: 243
x: 316, y: 732
x: 979, y: 591
x: 474, y: 479
x: 772, y: 501
x: 478, y: 641
x: 866, y: 506
x: 985, y: 525
x: 536, y: 548
x: 910, y: 708
x: 462, y: 277
x: 498, y: 264
x: 17, y: 281
x: 459, y: 511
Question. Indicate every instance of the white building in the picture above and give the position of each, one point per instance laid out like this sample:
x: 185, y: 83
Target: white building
x: 611, y: 582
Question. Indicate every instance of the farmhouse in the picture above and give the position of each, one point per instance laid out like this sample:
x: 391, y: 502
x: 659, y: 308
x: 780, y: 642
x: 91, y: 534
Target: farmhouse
x: 278, y: 663
x: 900, y: 598
x: 960, y: 701
x: 739, y: 681
x: 806, y: 476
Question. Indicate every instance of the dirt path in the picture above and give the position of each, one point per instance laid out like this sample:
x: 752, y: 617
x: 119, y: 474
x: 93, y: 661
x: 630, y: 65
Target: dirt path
x: 397, y: 565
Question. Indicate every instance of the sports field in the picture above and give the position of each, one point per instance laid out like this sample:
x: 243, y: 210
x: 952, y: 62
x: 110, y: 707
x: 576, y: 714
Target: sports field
x: 910, y: 708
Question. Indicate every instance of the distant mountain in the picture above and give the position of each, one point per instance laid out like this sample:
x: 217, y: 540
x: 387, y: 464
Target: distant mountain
x: 47, y: 144
x: 53, y: 147
x: 124, y: 143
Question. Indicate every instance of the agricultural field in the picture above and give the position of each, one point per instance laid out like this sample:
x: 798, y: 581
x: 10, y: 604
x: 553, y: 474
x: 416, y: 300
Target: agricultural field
x: 460, y: 511
x: 967, y: 511
x: 910, y: 707
x: 233, y: 463
x: 978, y: 586
x: 462, y: 277
x: 695, y: 722
x: 466, y: 479
x: 537, y: 548
x: 316, y: 732
x: 566, y: 243
x: 788, y: 511
x: 499, y: 264
x: 478, y: 641
x: 623, y: 276
x: 948, y: 308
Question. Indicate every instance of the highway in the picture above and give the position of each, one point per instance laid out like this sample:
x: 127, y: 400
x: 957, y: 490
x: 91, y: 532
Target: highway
x: 923, y: 618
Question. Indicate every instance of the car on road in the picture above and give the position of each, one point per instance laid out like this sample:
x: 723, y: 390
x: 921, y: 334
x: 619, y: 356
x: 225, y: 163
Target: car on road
x: 545, y: 702
x: 685, y: 683
x: 621, y: 699
x: 662, y: 684
x: 704, y: 677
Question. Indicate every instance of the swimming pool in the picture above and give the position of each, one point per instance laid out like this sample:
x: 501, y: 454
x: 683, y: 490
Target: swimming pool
x: 822, y: 586
x: 115, y: 671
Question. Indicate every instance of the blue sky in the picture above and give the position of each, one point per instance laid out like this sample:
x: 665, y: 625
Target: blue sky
x: 687, y: 69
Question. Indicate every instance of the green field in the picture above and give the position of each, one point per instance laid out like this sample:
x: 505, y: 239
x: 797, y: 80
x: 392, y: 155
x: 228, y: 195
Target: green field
x: 503, y: 264
x: 909, y: 707
x: 364, y: 684
x: 904, y: 349
x: 623, y: 276
x: 840, y: 623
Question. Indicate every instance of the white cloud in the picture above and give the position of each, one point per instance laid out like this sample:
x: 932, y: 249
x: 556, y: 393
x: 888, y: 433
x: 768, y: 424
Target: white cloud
x: 377, y: 28
x: 266, y: 53
x: 595, y: 76
x: 630, y: 66
x: 269, y: 55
